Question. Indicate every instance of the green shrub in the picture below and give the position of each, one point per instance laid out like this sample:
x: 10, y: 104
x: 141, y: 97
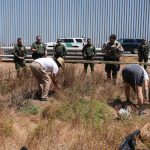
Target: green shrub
x: 85, y: 111
x: 30, y: 110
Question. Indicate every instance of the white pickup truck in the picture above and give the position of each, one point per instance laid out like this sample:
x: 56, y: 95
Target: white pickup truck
x: 69, y: 42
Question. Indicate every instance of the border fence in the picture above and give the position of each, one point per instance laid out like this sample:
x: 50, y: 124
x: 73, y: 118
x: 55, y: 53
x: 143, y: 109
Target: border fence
x: 52, y: 19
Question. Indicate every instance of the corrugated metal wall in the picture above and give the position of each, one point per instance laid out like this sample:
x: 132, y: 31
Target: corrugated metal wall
x: 51, y: 19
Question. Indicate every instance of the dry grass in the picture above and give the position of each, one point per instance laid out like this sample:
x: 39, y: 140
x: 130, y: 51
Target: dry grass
x: 12, y: 90
x: 61, y: 135
x: 77, y: 119
x: 6, y: 125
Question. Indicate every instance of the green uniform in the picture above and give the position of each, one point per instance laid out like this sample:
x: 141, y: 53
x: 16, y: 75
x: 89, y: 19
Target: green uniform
x: 89, y: 53
x: 19, y: 51
x: 60, y: 51
x: 41, y: 48
x: 112, y: 53
x: 143, y: 53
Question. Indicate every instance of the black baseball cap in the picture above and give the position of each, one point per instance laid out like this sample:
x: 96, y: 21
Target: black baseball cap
x: 58, y: 40
x: 113, y: 36
x: 88, y: 40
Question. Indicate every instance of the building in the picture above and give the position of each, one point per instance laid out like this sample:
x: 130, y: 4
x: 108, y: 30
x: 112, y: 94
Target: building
x: 96, y: 19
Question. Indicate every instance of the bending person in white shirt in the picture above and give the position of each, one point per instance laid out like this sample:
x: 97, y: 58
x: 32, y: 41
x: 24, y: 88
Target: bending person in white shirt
x: 40, y: 68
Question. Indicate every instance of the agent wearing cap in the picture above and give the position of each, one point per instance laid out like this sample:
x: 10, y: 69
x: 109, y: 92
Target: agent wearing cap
x: 19, y: 52
x: 112, y: 50
x: 38, y: 48
x: 41, y: 68
x: 89, y: 53
x: 59, y: 50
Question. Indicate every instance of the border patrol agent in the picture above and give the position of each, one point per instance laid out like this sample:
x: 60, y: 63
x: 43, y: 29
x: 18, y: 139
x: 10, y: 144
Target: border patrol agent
x: 19, y: 52
x: 38, y: 48
x: 112, y: 50
x: 59, y: 50
x: 89, y: 53
x: 143, y: 53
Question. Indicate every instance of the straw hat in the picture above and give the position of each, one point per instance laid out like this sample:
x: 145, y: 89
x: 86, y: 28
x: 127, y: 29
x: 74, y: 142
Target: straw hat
x: 60, y: 61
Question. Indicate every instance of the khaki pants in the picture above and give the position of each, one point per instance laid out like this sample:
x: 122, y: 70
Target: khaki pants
x: 42, y: 77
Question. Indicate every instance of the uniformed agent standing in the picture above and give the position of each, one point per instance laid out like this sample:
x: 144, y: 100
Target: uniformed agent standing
x: 38, y: 48
x: 19, y: 52
x: 112, y: 50
x: 59, y: 50
x: 143, y: 53
x: 89, y: 53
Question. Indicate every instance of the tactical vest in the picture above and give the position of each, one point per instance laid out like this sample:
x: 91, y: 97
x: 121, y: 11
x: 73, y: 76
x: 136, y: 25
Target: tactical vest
x: 59, y: 48
x: 89, y: 51
x: 112, y: 53
x: 20, y: 51
x: 40, y: 50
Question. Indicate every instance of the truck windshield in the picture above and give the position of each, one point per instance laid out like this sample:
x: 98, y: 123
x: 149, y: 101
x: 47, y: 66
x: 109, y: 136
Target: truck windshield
x: 79, y: 40
x: 139, y: 40
x: 128, y: 41
x: 67, y: 40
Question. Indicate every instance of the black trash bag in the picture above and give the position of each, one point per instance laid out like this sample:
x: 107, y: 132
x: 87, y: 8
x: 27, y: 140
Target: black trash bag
x: 129, y: 143
x: 24, y: 148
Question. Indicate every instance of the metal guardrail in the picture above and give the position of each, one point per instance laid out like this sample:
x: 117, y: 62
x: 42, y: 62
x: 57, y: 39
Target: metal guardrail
x: 73, y: 54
